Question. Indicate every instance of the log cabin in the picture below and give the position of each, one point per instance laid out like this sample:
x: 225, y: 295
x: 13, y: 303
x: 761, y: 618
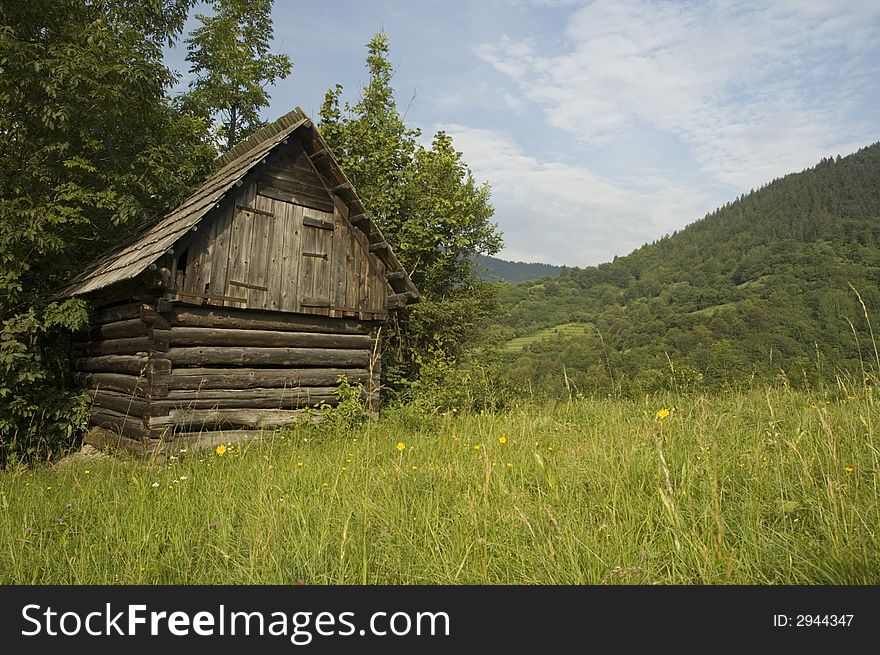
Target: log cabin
x: 241, y: 307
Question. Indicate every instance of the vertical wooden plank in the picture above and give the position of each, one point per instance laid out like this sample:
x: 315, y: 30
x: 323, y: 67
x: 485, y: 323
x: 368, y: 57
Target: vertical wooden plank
x: 240, y: 249
x: 324, y: 267
x: 291, y: 261
x: 359, y: 265
x: 315, y: 263
x: 364, y: 281
x: 275, y: 252
x: 352, y: 266
x: 206, y: 243
x: 216, y: 284
x: 307, y: 264
x: 340, y: 241
x: 261, y: 253
x: 193, y: 260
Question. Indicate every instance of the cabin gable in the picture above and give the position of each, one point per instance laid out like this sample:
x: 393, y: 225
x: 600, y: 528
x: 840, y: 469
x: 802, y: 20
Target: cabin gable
x: 281, y: 243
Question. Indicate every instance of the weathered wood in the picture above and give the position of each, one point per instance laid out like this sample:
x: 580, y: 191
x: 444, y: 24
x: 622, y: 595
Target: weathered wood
x: 124, y: 403
x: 130, y: 426
x: 125, y: 329
x: 297, y: 198
x: 257, y: 320
x: 211, y: 296
x: 199, y: 280
x: 246, y: 399
x: 297, y: 179
x: 190, y: 419
x: 240, y: 251
x: 247, y: 285
x: 156, y: 341
x: 207, y: 379
x: 257, y: 274
x: 199, y: 336
x: 258, y: 393
x: 395, y: 275
x: 112, y: 347
x: 255, y: 210
x: 318, y: 223
x: 275, y: 254
x: 314, y: 302
x: 314, y: 267
x: 290, y: 261
x: 226, y: 356
x: 124, y: 312
x: 379, y: 245
x: 216, y: 284
x: 128, y: 384
x: 130, y: 364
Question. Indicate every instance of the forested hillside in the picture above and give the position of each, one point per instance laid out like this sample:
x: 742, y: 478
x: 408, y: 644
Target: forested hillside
x: 494, y: 269
x: 763, y: 288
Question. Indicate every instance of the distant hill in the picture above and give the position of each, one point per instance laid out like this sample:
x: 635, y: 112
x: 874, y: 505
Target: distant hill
x: 494, y: 270
x: 758, y: 291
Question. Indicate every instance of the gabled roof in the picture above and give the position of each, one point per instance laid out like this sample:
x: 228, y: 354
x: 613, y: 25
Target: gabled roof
x: 130, y: 259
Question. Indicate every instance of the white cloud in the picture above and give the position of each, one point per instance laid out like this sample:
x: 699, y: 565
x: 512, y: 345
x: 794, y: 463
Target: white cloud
x: 755, y: 91
x: 561, y: 213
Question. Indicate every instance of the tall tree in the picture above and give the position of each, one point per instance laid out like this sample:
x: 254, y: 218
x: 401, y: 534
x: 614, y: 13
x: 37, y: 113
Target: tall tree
x: 428, y: 204
x: 79, y: 167
x: 231, y: 60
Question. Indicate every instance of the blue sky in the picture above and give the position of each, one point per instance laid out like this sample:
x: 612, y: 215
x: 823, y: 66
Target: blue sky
x: 601, y: 126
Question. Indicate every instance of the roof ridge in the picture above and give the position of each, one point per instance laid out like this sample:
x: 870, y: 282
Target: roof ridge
x: 258, y: 137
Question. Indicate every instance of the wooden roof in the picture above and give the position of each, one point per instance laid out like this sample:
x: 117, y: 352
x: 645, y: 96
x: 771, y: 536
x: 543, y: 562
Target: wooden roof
x: 130, y: 259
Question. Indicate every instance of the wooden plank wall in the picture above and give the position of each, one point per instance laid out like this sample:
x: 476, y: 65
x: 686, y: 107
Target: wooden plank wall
x: 282, y: 244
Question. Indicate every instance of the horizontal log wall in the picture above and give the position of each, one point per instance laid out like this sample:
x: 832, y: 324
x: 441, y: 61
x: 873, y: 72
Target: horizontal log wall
x: 192, y: 370
x: 246, y: 370
x: 204, y: 379
x: 116, y: 362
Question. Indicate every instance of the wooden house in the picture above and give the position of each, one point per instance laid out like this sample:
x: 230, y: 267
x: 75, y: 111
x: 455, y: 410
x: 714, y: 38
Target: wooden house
x: 243, y: 305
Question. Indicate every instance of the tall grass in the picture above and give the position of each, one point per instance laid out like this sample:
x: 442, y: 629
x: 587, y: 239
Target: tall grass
x: 761, y: 487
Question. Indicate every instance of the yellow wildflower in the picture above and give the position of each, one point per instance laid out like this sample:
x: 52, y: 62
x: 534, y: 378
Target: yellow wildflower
x: 401, y: 446
x: 299, y: 464
x: 220, y: 450
x: 849, y: 469
x: 662, y: 413
x: 509, y: 465
x: 502, y: 440
x: 86, y: 471
x: 476, y: 446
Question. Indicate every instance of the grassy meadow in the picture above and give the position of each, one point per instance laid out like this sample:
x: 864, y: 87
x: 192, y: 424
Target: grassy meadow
x: 763, y: 487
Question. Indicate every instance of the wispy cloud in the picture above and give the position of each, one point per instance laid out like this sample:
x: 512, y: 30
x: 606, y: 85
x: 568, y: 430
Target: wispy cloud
x: 559, y: 212
x: 754, y: 90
